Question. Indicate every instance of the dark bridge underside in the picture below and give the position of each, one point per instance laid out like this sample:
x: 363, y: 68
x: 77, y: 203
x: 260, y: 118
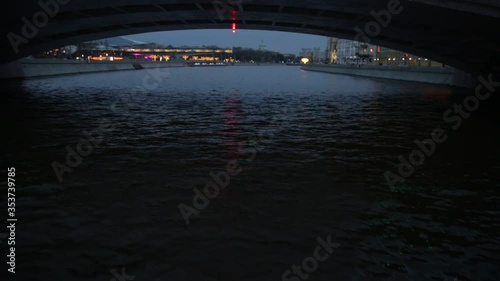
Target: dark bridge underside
x: 461, y: 33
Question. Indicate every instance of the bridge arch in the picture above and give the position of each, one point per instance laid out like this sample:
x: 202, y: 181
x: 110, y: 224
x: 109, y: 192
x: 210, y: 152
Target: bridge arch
x: 463, y: 34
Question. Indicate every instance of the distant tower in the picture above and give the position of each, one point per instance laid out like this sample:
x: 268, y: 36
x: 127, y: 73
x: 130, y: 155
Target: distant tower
x: 262, y: 46
x: 332, y: 50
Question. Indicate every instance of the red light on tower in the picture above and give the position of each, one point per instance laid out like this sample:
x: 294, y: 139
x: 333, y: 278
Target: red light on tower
x: 234, y: 21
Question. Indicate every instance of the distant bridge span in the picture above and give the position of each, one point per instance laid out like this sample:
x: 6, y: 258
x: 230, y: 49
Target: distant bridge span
x: 461, y: 33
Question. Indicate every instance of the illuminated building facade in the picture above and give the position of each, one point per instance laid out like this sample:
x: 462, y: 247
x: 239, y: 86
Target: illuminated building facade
x: 92, y: 52
x: 354, y: 52
x: 332, y: 50
x: 176, y: 54
x: 314, y: 55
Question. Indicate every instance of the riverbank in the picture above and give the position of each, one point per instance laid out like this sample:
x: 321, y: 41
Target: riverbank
x: 433, y: 75
x: 30, y: 68
x: 257, y: 64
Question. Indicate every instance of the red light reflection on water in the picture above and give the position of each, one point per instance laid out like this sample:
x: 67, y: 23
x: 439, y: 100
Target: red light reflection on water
x: 231, y: 121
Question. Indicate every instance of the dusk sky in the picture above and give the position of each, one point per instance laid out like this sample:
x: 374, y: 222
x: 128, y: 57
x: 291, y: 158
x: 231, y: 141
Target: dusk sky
x: 283, y: 42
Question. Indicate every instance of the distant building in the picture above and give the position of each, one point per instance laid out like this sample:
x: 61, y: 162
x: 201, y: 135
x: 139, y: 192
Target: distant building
x: 393, y: 57
x: 69, y: 50
x: 122, y: 41
x: 306, y: 53
x: 160, y: 53
x: 313, y: 54
x: 319, y: 56
x: 262, y: 46
x: 64, y: 52
x: 354, y: 52
x: 331, y: 50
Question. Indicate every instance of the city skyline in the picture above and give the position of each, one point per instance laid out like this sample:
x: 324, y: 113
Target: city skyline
x: 283, y: 42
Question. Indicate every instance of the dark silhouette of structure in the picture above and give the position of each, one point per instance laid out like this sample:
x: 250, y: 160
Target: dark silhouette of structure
x: 462, y: 34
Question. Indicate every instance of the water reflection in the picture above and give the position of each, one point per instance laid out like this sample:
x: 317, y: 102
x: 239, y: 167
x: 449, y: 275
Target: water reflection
x: 321, y: 173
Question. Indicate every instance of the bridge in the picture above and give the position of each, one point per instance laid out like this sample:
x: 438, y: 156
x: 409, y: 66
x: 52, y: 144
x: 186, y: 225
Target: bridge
x: 461, y: 33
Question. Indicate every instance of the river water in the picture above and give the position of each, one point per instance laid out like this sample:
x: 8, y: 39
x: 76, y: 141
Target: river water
x: 311, y: 148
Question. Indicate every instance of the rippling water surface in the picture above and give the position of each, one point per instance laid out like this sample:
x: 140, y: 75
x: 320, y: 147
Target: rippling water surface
x: 312, y: 147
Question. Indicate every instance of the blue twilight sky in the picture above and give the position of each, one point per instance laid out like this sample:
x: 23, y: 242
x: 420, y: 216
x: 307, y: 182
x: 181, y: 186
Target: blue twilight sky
x: 284, y: 42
